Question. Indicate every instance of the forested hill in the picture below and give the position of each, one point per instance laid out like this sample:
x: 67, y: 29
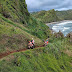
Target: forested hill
x: 52, y: 15
x: 46, y: 16
x: 64, y: 15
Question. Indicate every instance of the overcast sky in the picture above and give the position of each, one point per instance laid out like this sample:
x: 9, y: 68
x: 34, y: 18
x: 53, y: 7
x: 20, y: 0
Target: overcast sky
x: 37, y: 5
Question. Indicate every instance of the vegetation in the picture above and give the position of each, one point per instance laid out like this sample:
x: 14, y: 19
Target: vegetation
x: 64, y: 15
x: 52, y: 15
x: 17, y: 27
x: 14, y: 36
x: 46, y: 16
x: 16, y: 10
x: 46, y: 59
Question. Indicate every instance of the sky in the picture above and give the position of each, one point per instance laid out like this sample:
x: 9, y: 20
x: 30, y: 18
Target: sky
x: 38, y: 5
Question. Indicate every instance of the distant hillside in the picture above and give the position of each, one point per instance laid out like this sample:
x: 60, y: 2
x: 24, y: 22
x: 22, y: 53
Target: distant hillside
x: 64, y: 15
x: 52, y: 15
x: 46, y: 16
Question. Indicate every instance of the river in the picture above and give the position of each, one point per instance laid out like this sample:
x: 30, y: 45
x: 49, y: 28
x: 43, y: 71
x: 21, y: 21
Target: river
x: 65, y: 27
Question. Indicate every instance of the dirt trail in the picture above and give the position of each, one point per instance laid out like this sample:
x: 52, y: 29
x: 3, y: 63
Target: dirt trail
x: 8, y: 53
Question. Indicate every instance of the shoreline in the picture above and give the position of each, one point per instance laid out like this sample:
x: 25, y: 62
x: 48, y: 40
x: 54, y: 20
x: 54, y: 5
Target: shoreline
x: 50, y: 25
x: 57, y: 22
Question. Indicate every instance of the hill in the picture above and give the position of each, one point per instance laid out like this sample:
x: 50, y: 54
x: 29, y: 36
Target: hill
x: 17, y: 27
x: 64, y: 15
x: 46, y: 16
x: 56, y: 57
x: 15, y: 10
x: 14, y: 36
x: 52, y: 15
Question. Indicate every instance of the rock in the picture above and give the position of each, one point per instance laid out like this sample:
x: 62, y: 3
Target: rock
x: 59, y: 34
x: 69, y: 35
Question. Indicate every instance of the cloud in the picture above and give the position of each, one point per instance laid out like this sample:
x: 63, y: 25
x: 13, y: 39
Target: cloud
x: 37, y: 5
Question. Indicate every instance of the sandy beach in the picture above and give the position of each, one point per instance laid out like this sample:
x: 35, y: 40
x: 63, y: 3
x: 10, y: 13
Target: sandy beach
x: 64, y: 26
x: 59, y: 22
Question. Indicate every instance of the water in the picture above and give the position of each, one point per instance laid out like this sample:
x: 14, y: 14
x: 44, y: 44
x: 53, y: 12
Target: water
x: 64, y: 27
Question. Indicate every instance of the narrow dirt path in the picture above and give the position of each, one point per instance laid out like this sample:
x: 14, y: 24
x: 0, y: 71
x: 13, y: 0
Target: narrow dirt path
x: 8, y: 53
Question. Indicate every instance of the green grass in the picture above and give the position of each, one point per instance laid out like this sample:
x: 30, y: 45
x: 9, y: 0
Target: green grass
x: 45, y: 59
x: 15, y: 24
x: 12, y: 12
x: 46, y: 16
x: 16, y: 11
x: 64, y: 15
x: 34, y: 27
x: 38, y: 28
x: 17, y: 27
x: 14, y: 36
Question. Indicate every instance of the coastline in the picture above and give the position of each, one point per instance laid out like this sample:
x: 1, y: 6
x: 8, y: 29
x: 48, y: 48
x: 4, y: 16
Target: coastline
x: 57, y: 22
x: 50, y: 25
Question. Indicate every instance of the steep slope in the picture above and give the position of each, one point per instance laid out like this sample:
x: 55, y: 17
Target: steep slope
x: 46, y: 59
x: 14, y: 36
x: 16, y: 11
x: 46, y: 16
x: 17, y: 27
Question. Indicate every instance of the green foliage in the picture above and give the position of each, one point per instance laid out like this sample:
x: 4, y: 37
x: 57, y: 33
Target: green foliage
x: 46, y: 16
x: 64, y: 15
x: 16, y: 10
x: 14, y: 36
x: 46, y: 59
x: 38, y: 29
x: 52, y: 15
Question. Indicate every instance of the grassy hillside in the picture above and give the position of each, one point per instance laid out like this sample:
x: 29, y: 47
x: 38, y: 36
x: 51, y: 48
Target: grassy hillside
x: 64, y: 15
x: 46, y: 16
x: 52, y: 15
x: 16, y: 11
x: 52, y: 58
x: 17, y: 27
x: 14, y: 36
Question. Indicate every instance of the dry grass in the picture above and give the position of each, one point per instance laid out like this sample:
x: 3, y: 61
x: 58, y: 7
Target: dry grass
x: 69, y: 52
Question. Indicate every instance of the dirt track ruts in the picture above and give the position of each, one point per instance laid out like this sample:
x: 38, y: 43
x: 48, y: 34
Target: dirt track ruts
x: 8, y: 53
